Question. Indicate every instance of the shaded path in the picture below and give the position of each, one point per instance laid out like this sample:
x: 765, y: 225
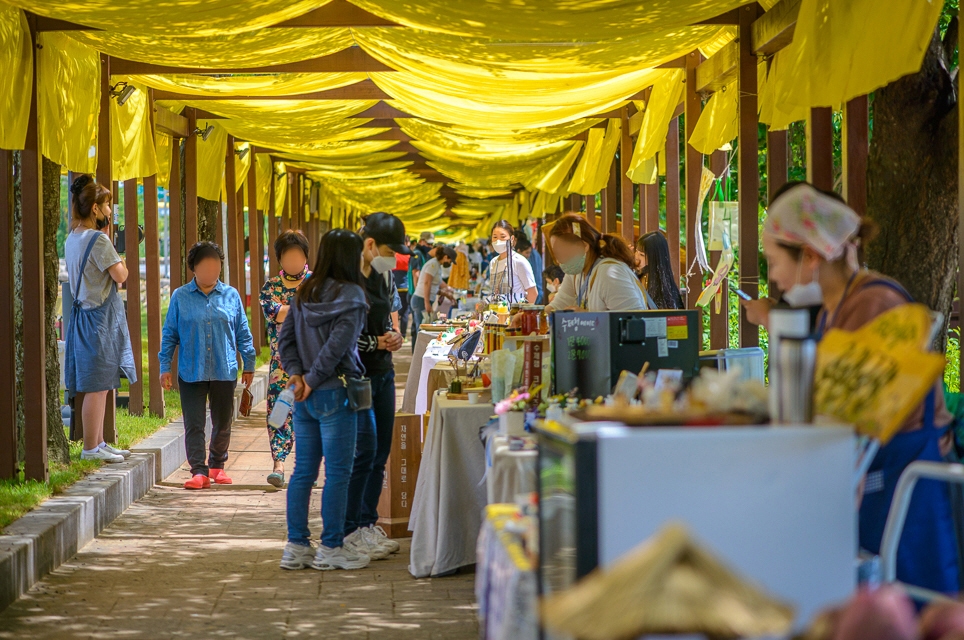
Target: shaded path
x: 181, y: 564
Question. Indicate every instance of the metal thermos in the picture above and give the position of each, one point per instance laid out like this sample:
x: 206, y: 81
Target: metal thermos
x: 797, y: 363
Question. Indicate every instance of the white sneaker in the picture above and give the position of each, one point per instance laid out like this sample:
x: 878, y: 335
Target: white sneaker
x: 101, y: 454
x: 297, y: 556
x: 124, y: 453
x: 377, y: 535
x: 327, y: 559
x: 359, y: 543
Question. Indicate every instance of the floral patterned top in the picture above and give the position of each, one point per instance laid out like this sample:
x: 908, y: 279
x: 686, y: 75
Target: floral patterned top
x: 274, y: 295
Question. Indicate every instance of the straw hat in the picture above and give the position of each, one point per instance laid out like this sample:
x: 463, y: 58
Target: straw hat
x: 667, y: 585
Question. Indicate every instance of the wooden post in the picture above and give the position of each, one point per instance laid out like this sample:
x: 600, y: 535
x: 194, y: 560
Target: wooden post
x: 190, y: 184
x: 256, y: 250
x: 152, y: 261
x: 286, y: 212
x: 672, y: 194
x: 34, y: 339
x: 719, y: 322
x: 694, y: 170
x: 651, y: 191
x: 609, y: 201
x: 591, y: 210
x: 230, y: 242
x: 8, y: 367
x: 778, y: 162
x: 960, y: 197
x: 132, y: 249
x: 820, y: 148
x: 749, y: 173
x: 626, y: 187
x: 856, y: 149
x: 273, y: 222
x: 242, y: 246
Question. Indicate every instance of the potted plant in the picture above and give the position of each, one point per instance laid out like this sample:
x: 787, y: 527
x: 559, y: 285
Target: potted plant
x: 511, y: 412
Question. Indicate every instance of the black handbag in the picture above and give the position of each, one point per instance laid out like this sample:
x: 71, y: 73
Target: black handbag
x: 359, y: 393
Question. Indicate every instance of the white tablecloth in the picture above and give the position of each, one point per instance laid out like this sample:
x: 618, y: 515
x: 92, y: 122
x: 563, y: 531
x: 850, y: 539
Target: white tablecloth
x: 414, y: 372
x: 449, y: 495
x: 511, y: 473
x: 506, y: 588
x: 422, y: 400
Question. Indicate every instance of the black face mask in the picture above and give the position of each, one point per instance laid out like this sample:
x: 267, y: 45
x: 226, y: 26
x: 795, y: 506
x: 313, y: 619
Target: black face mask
x: 102, y: 223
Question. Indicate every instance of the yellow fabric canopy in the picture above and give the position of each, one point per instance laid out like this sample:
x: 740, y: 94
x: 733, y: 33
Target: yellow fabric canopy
x: 720, y: 121
x: 131, y: 138
x: 187, y: 17
x: 256, y: 85
x: 665, y: 97
x: 16, y: 59
x: 210, y: 160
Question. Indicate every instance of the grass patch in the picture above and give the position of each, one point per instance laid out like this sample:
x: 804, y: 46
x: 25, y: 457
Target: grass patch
x: 264, y: 357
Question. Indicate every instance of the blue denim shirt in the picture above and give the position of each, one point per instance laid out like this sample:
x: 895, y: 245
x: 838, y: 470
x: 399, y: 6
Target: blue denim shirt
x: 210, y: 330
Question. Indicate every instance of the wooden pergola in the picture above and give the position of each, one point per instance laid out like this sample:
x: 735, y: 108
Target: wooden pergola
x: 759, y: 35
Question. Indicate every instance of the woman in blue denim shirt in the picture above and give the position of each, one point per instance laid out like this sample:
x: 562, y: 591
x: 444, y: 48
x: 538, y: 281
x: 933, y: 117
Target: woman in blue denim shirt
x: 207, y: 320
x: 318, y: 345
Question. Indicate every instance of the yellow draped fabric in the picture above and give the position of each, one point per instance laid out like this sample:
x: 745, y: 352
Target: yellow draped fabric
x: 585, y: 172
x: 186, y: 17
x: 280, y: 188
x: 16, y: 59
x: 255, y: 48
x: 257, y: 85
x: 663, y: 101
x: 132, y: 138
x: 841, y: 50
x: 162, y: 150
x: 609, y: 146
x: 552, y: 180
x: 69, y: 102
x: 210, y: 160
x: 547, y: 20
x: 241, y: 164
x: 720, y: 121
x: 263, y: 172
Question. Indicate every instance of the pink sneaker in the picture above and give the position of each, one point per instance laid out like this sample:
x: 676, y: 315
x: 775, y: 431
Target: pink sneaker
x: 198, y: 482
x: 219, y: 477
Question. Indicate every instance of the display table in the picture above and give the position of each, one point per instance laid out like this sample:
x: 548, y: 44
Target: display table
x: 415, y: 373
x: 439, y: 378
x: 511, y: 472
x: 449, y: 495
x: 506, y: 587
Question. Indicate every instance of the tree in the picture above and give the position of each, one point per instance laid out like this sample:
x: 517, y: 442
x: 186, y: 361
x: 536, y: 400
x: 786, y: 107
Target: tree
x: 58, y: 449
x: 912, y: 179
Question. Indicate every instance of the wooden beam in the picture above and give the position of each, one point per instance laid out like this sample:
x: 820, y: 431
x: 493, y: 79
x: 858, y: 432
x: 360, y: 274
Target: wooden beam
x: 382, y: 110
x: 719, y: 322
x: 609, y: 199
x: 403, y: 147
x: 820, y: 148
x: 651, y: 193
x: 242, y: 250
x: 190, y: 186
x: 54, y: 24
x: 8, y: 365
x: 235, y: 277
x: 856, y: 150
x: 749, y: 174
x: 718, y: 70
x: 273, y: 223
x: 626, y: 190
x: 152, y: 263
x: 778, y: 165
x: 363, y: 90
x: 34, y: 339
x: 694, y: 172
x: 168, y: 122
x: 676, y: 63
x: 379, y: 123
x: 672, y: 195
x: 338, y: 13
x: 729, y: 18
x: 591, y: 210
x: 774, y: 29
x: 132, y: 242
x: 391, y: 134
x: 352, y: 59
x: 256, y: 252
x: 174, y: 215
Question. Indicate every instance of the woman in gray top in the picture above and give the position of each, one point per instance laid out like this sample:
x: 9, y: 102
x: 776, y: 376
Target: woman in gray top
x: 98, y: 346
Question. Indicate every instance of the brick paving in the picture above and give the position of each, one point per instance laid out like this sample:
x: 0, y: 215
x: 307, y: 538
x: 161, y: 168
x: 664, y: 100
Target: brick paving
x: 182, y: 564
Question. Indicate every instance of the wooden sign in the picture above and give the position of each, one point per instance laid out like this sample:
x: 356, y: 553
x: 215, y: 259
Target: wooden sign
x: 401, y: 473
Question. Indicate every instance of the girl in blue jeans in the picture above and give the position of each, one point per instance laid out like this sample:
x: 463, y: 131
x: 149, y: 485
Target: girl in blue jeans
x: 318, y: 346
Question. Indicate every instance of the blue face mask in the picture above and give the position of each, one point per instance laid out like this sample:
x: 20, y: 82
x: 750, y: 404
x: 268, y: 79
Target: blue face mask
x: 575, y: 265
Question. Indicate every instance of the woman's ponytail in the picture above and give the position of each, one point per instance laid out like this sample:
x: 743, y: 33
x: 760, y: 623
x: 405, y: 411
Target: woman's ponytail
x: 85, y: 193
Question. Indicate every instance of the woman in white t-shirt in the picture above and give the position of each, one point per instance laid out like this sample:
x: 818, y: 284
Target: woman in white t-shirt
x: 509, y: 277
x: 599, y: 269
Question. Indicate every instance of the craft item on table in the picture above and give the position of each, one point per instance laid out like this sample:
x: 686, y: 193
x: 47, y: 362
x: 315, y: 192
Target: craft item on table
x: 506, y: 371
x: 707, y: 178
x: 714, y: 288
x: 724, y: 216
x: 628, y: 385
x: 532, y: 354
x: 494, y: 336
x: 729, y: 392
x: 667, y: 585
x: 875, y: 376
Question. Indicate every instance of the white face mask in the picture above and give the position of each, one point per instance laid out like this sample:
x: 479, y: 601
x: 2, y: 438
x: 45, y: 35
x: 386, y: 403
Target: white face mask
x: 499, y: 246
x: 551, y: 288
x: 804, y: 295
x: 383, y: 264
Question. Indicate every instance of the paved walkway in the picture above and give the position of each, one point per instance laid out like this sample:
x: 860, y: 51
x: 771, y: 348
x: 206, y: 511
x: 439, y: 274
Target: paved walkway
x: 195, y: 565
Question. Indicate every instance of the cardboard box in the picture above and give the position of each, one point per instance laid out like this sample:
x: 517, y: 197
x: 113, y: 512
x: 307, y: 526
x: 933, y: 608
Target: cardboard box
x: 401, y: 474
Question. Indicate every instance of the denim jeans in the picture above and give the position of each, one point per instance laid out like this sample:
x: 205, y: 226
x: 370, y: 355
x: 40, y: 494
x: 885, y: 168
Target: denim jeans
x: 375, y: 428
x: 323, y: 426
x: 418, y: 312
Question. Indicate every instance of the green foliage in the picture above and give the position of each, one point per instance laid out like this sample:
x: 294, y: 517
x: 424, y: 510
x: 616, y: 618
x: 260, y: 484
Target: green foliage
x: 952, y: 372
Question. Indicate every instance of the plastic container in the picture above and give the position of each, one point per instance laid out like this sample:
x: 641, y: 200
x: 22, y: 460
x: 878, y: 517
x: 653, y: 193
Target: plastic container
x: 749, y: 361
x: 282, y: 408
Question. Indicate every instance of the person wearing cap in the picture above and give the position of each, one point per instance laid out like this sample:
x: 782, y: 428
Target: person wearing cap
x: 426, y: 243
x: 811, y: 240
x: 384, y: 237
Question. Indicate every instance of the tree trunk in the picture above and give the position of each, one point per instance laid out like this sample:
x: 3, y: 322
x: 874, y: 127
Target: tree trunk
x: 912, y: 183
x: 18, y: 303
x: 207, y: 220
x: 58, y: 449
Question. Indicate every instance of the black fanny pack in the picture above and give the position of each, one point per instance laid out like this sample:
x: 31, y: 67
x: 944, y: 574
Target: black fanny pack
x: 359, y: 393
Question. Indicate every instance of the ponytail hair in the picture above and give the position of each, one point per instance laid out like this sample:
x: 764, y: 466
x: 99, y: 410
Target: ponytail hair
x: 574, y: 227
x: 85, y: 193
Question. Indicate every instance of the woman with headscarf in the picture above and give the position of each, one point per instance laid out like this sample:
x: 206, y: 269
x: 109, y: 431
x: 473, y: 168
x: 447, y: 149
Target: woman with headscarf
x: 811, y: 241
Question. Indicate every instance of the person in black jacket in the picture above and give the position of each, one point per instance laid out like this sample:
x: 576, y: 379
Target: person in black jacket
x: 384, y: 236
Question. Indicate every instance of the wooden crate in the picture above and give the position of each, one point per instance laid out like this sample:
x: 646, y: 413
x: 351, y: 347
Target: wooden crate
x: 401, y: 473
